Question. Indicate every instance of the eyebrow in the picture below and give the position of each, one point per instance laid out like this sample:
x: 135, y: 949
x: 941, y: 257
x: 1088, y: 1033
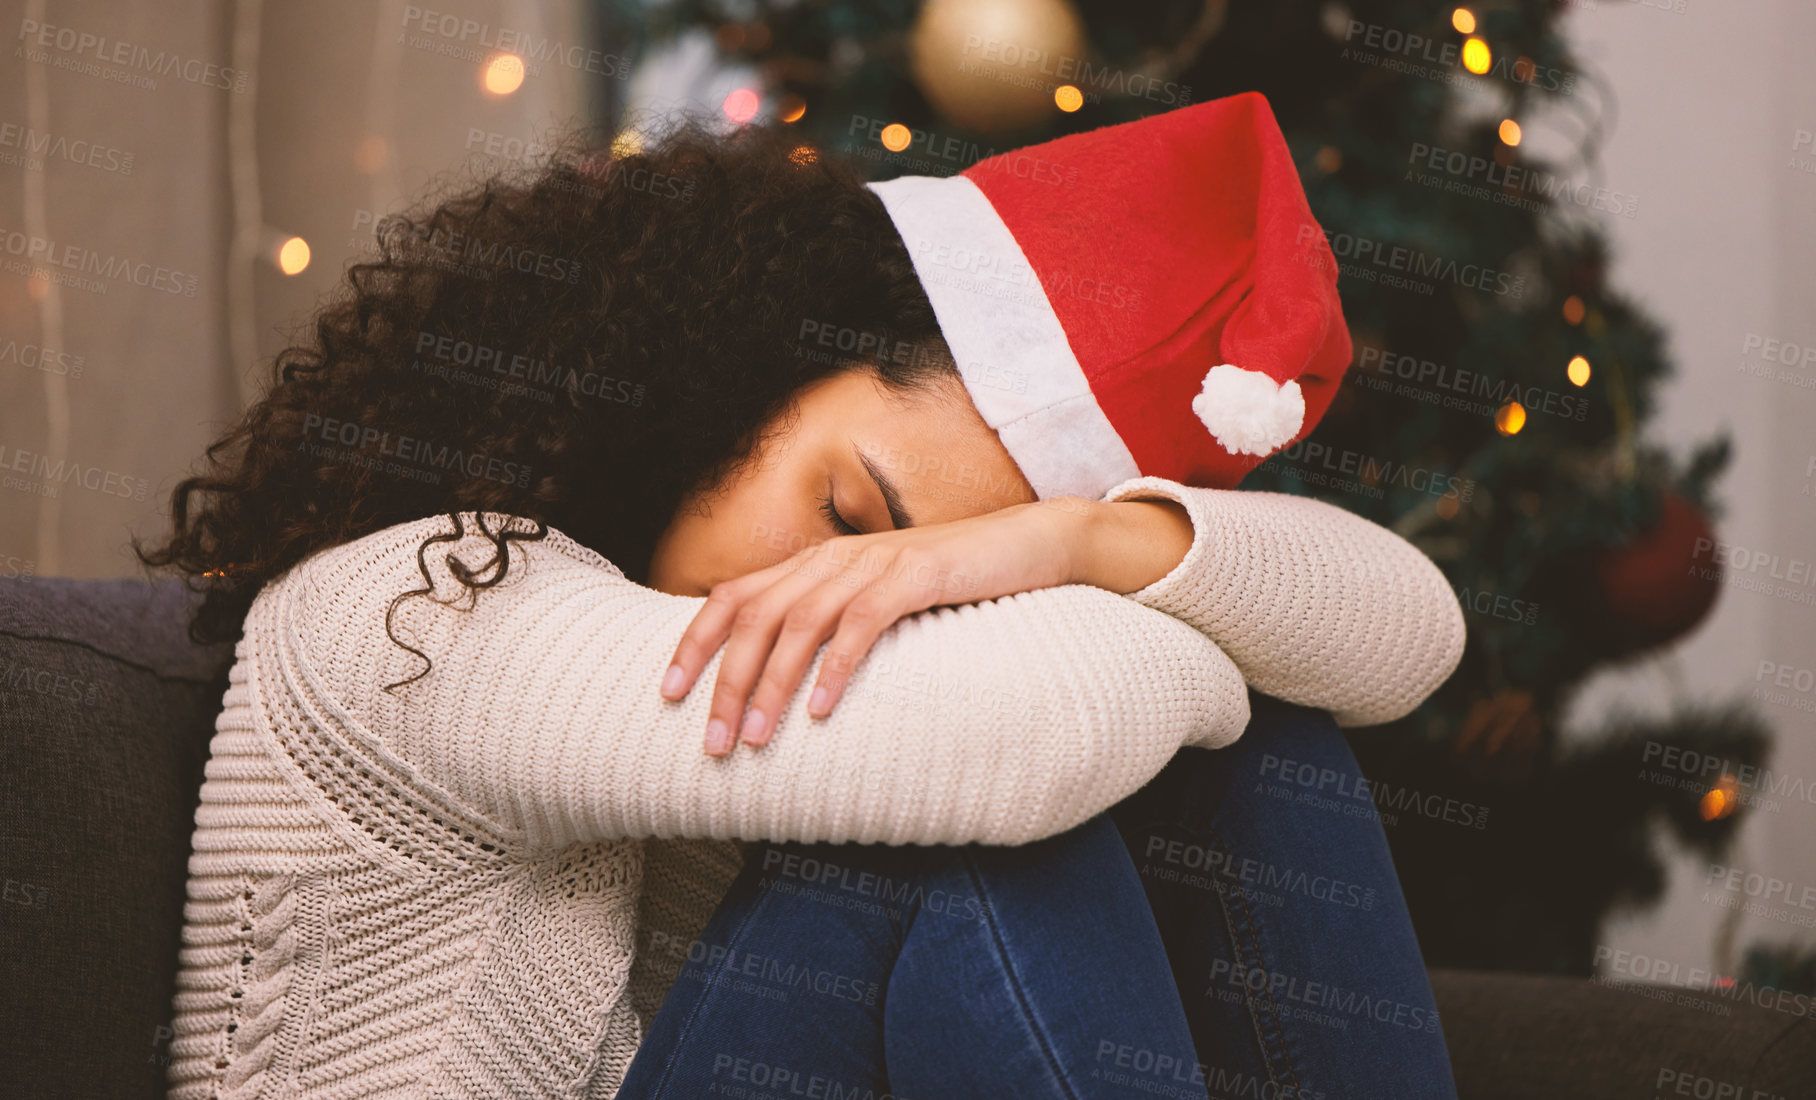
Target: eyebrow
x: 892, y: 497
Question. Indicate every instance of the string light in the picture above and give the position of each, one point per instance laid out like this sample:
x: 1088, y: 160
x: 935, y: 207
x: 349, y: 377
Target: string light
x: 253, y: 241
x: 896, y: 137
x: 1463, y: 20
x: 1510, y: 131
x: 1477, y: 56
x: 740, y: 106
x: 1067, y: 98
x: 503, y: 74
x: 1510, y: 418
x: 1573, y: 310
x: 293, y: 256
x: 1578, y: 371
x: 791, y: 108
x: 1720, y: 800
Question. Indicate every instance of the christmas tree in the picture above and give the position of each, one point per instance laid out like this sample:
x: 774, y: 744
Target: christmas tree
x: 1493, y: 413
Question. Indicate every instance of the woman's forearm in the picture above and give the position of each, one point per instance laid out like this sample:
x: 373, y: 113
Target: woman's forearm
x: 1126, y: 545
x: 998, y: 722
x: 1314, y: 604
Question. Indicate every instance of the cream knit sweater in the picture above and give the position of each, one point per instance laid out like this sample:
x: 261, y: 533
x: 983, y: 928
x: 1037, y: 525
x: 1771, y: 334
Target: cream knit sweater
x: 482, y: 884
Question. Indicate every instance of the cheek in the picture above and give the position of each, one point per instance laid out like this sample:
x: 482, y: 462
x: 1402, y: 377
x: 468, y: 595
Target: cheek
x: 766, y: 516
x: 675, y: 566
x: 767, y: 535
x: 769, y: 517
x: 749, y: 529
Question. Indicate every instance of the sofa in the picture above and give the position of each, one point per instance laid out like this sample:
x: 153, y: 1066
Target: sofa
x: 106, y: 710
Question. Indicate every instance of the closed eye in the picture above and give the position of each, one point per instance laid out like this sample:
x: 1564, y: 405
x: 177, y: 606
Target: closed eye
x: 831, y: 512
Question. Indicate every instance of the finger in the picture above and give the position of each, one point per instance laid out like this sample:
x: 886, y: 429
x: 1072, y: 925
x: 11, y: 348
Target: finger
x: 710, y: 627
x: 753, y: 633
x: 863, y: 622
x: 805, y: 625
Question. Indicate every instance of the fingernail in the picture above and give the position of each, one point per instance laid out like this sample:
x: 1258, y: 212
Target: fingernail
x: 671, y: 680
x: 718, y: 736
x: 817, y: 701
x: 753, y: 724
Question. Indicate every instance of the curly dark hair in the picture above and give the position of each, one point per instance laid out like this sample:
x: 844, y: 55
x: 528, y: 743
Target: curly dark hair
x: 581, y: 343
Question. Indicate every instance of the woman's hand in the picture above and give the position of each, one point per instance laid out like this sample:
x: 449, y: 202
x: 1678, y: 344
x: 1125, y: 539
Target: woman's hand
x: 850, y: 589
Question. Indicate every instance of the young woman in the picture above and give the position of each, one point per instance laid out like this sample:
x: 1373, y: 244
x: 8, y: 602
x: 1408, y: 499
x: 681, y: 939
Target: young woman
x: 464, y: 829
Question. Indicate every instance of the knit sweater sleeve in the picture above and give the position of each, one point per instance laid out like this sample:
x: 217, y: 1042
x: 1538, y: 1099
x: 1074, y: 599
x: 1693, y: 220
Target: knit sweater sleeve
x: 998, y: 722
x: 1315, y: 604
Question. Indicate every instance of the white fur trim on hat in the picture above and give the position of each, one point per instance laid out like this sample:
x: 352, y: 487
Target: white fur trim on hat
x: 1012, y: 353
x: 1248, y: 412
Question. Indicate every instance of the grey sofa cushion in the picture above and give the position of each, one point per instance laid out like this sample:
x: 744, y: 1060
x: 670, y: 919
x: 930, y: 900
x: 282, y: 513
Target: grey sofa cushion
x: 1517, y: 1036
x: 105, y: 714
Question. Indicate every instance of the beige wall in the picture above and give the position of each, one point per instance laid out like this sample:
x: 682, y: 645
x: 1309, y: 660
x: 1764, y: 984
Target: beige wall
x: 144, y: 367
x: 1710, y: 100
x: 90, y: 458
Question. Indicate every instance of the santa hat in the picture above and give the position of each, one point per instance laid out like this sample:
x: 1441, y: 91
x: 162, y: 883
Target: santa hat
x: 1150, y: 298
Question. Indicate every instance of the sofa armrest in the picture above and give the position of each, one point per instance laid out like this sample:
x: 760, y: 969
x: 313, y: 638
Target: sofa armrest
x: 106, y: 711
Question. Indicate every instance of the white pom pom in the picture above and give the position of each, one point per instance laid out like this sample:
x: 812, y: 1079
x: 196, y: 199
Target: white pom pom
x: 1248, y: 412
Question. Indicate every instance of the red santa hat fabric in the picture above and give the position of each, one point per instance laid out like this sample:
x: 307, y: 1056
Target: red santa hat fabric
x: 1150, y: 298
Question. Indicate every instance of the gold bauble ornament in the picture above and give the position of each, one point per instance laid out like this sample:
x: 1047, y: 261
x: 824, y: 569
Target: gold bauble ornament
x: 992, y: 65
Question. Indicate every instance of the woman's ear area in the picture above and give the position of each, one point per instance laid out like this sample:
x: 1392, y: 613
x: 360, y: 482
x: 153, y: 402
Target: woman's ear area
x: 949, y: 462
x: 988, y: 444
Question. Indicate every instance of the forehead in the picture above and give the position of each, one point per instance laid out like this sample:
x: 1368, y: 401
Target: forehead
x: 934, y: 447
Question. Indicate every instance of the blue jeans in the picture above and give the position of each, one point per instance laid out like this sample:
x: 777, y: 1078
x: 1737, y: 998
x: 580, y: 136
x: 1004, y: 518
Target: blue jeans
x: 1232, y: 929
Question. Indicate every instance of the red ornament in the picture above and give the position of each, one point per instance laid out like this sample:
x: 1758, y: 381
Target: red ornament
x: 1657, y: 587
